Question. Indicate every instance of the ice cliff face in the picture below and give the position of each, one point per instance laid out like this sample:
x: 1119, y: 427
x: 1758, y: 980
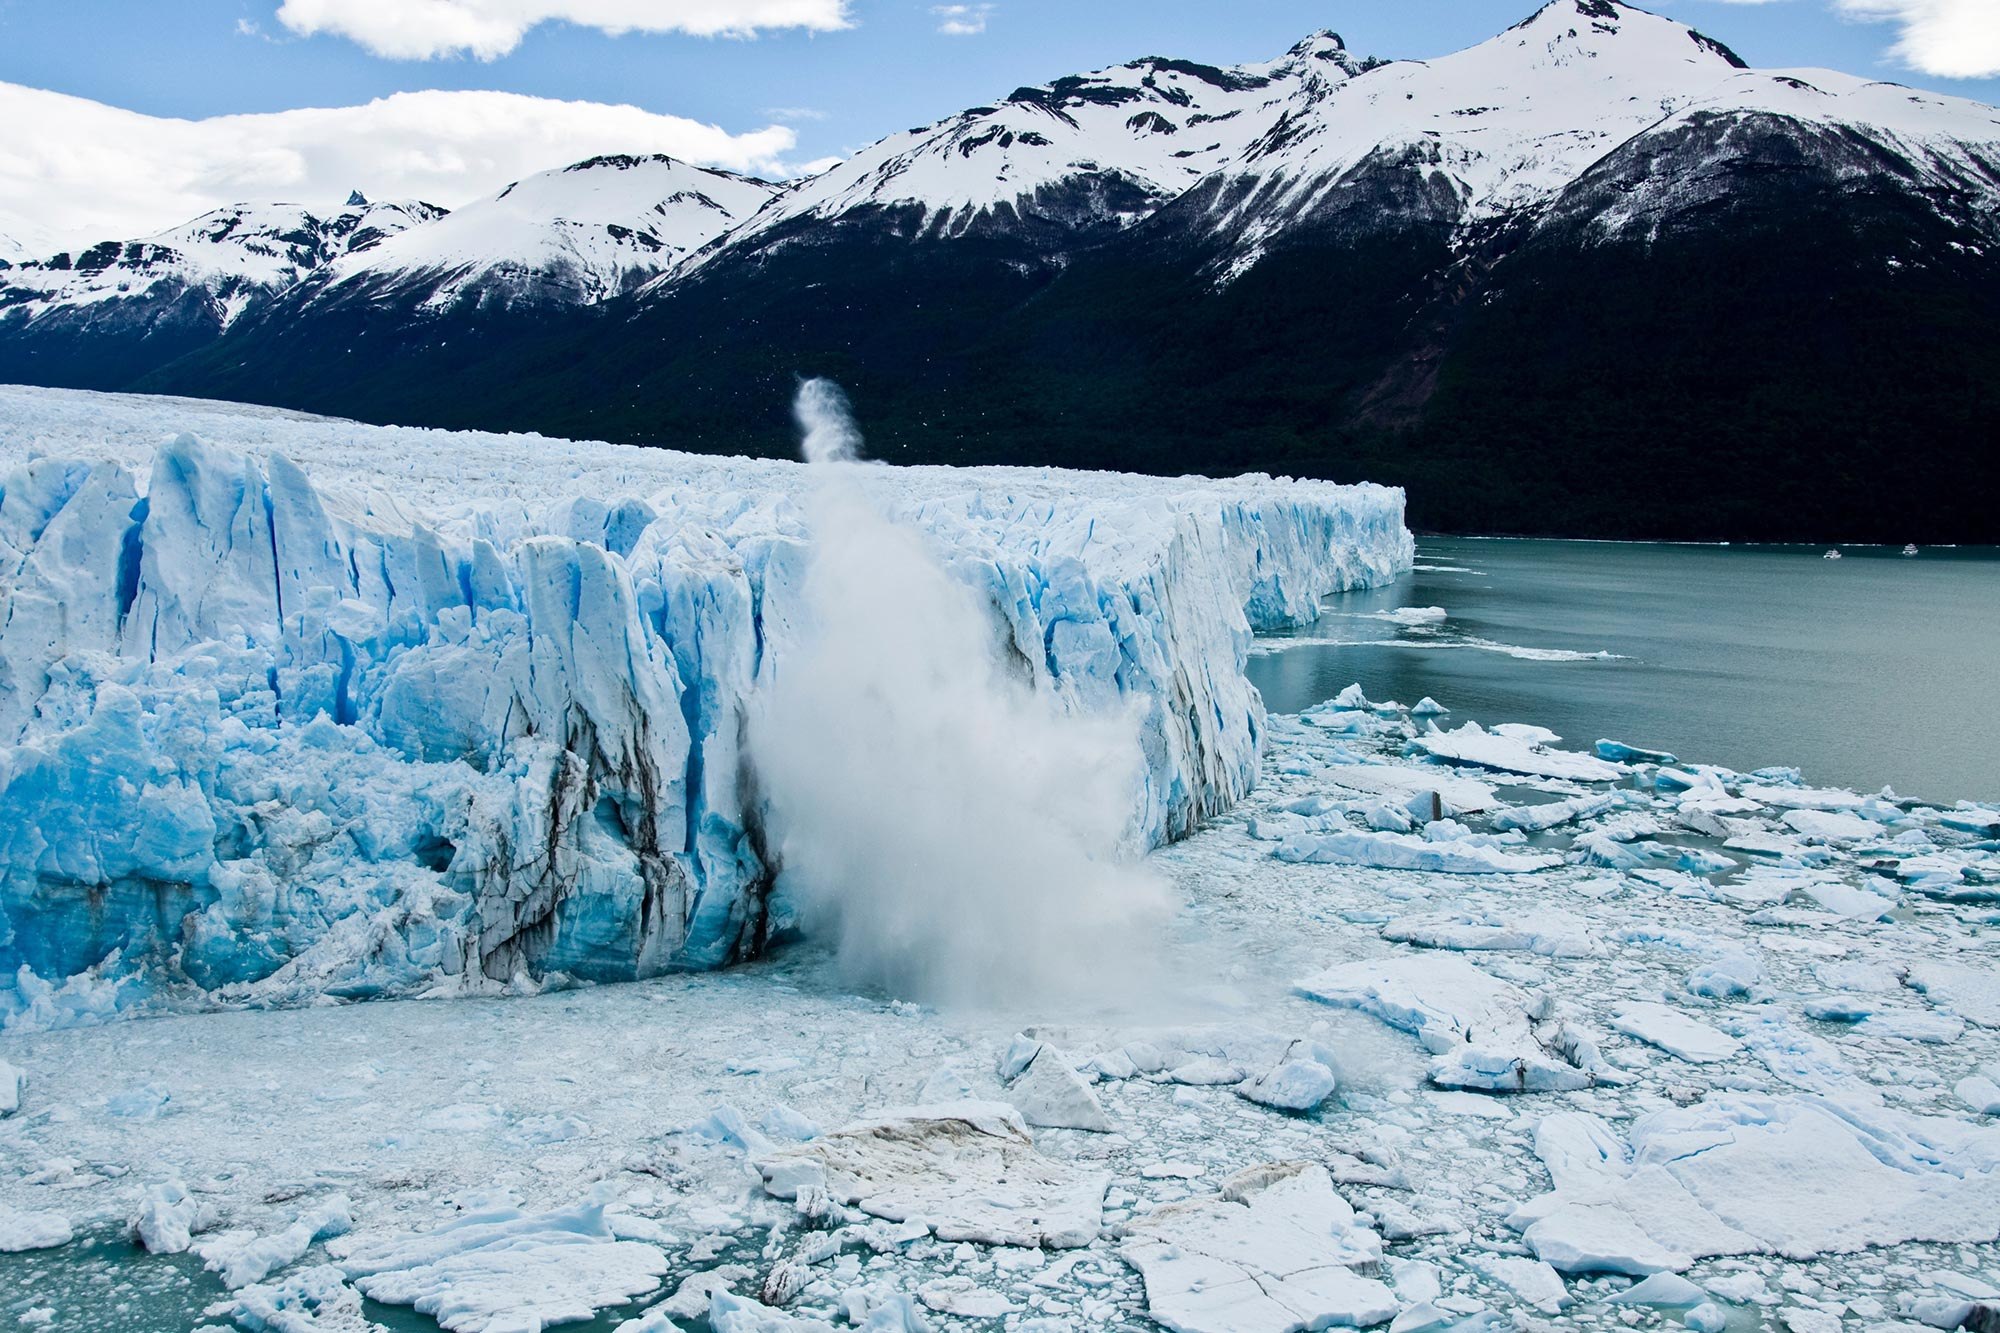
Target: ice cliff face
x: 450, y: 710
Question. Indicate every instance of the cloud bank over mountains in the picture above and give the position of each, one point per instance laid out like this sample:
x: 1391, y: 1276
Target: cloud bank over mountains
x: 86, y: 172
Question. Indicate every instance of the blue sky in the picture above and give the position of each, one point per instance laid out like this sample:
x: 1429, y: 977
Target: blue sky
x: 891, y: 69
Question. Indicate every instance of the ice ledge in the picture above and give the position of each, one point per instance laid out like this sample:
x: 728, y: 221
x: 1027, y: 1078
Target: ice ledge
x: 268, y: 734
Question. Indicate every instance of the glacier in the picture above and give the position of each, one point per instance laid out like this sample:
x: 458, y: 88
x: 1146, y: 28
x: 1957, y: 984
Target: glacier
x: 293, y: 707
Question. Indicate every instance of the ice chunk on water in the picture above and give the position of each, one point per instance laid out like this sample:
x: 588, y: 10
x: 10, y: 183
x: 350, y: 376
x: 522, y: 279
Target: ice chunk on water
x: 167, y: 1218
x: 1831, y: 826
x: 1403, y: 851
x: 313, y: 1300
x: 1661, y: 1289
x: 1536, y: 818
x: 1483, y: 1033
x: 12, y: 1081
x: 493, y: 1269
x: 1530, y: 1279
x: 1980, y: 1092
x: 1618, y: 752
x: 1732, y: 972
x: 1049, y: 1093
x: 1968, y: 990
x: 1676, y: 1033
x: 1449, y: 793
x: 738, y: 1314
x: 21, y: 1230
x: 1797, y: 1175
x: 1295, y: 1085
x: 1473, y: 744
x: 968, y: 1170
x: 1289, y: 1073
x: 240, y: 1258
x: 1545, y: 933
x: 1276, y: 1250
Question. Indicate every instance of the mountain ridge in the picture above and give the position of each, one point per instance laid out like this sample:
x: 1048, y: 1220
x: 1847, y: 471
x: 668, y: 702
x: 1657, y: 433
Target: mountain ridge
x: 1318, y: 264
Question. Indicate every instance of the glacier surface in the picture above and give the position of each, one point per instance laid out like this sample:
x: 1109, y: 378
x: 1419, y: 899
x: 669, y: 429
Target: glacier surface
x: 294, y: 707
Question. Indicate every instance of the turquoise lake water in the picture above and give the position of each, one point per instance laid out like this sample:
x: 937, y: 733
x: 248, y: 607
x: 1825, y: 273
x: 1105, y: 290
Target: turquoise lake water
x: 1875, y: 669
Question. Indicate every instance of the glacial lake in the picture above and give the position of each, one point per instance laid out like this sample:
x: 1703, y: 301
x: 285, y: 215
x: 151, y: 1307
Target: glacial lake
x: 1873, y: 669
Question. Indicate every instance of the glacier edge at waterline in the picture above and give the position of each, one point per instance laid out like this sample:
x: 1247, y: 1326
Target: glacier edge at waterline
x: 293, y: 707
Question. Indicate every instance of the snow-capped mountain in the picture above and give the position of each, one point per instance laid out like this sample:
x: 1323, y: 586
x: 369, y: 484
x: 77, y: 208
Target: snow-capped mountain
x: 136, y: 304
x: 1595, y: 247
x: 1082, y: 153
x: 1251, y: 152
x: 572, y: 236
x: 569, y: 237
x: 231, y: 257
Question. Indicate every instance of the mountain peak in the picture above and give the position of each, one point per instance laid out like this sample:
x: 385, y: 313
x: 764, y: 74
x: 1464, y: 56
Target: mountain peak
x: 1326, y: 44
x: 356, y: 199
x: 1613, y: 18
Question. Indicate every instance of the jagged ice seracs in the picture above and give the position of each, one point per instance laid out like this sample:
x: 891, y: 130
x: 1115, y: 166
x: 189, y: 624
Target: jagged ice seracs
x: 292, y: 707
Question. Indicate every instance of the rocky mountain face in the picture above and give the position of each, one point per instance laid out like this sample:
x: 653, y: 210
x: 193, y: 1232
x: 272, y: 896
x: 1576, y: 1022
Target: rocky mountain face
x: 1593, y: 276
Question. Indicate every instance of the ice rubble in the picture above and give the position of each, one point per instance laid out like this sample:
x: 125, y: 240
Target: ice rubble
x: 447, y: 707
x: 498, y: 1269
x: 1795, y: 1175
x: 32, y: 1230
x: 1483, y: 1033
x: 965, y: 1171
x: 1276, y: 1249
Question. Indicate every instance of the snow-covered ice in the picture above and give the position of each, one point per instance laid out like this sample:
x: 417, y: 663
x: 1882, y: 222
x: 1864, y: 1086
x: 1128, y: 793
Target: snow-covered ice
x: 1676, y: 1032
x: 1277, y: 1249
x: 497, y: 1269
x: 1484, y: 1032
x: 967, y: 1171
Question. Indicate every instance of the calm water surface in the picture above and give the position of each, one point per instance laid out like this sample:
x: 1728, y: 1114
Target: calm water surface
x: 1869, y: 670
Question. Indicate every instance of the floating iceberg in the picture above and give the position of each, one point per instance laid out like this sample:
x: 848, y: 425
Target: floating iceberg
x: 449, y: 708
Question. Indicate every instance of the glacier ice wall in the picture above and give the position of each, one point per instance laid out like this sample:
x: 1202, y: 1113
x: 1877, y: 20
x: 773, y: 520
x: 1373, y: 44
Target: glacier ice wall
x: 458, y: 711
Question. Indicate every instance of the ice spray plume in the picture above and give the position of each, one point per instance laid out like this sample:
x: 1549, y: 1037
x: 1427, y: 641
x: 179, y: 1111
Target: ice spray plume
x: 957, y: 835
x: 826, y: 423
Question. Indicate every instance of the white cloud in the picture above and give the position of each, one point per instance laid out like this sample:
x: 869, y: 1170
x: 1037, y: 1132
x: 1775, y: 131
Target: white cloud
x: 961, y: 20
x: 82, y: 171
x: 1952, y: 39
x: 1949, y: 39
x: 489, y: 29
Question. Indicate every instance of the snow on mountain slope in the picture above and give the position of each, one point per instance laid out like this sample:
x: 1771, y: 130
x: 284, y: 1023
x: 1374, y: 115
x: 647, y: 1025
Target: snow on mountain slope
x: 1493, y: 131
x: 231, y: 257
x: 575, y: 235
x: 1104, y: 148
x: 323, y: 708
x: 1506, y: 125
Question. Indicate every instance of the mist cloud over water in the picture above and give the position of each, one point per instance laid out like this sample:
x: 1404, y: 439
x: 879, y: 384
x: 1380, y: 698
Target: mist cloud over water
x: 954, y: 833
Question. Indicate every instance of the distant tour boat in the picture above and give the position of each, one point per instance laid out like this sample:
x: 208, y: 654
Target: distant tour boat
x: 1831, y: 555
x: 1911, y: 549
